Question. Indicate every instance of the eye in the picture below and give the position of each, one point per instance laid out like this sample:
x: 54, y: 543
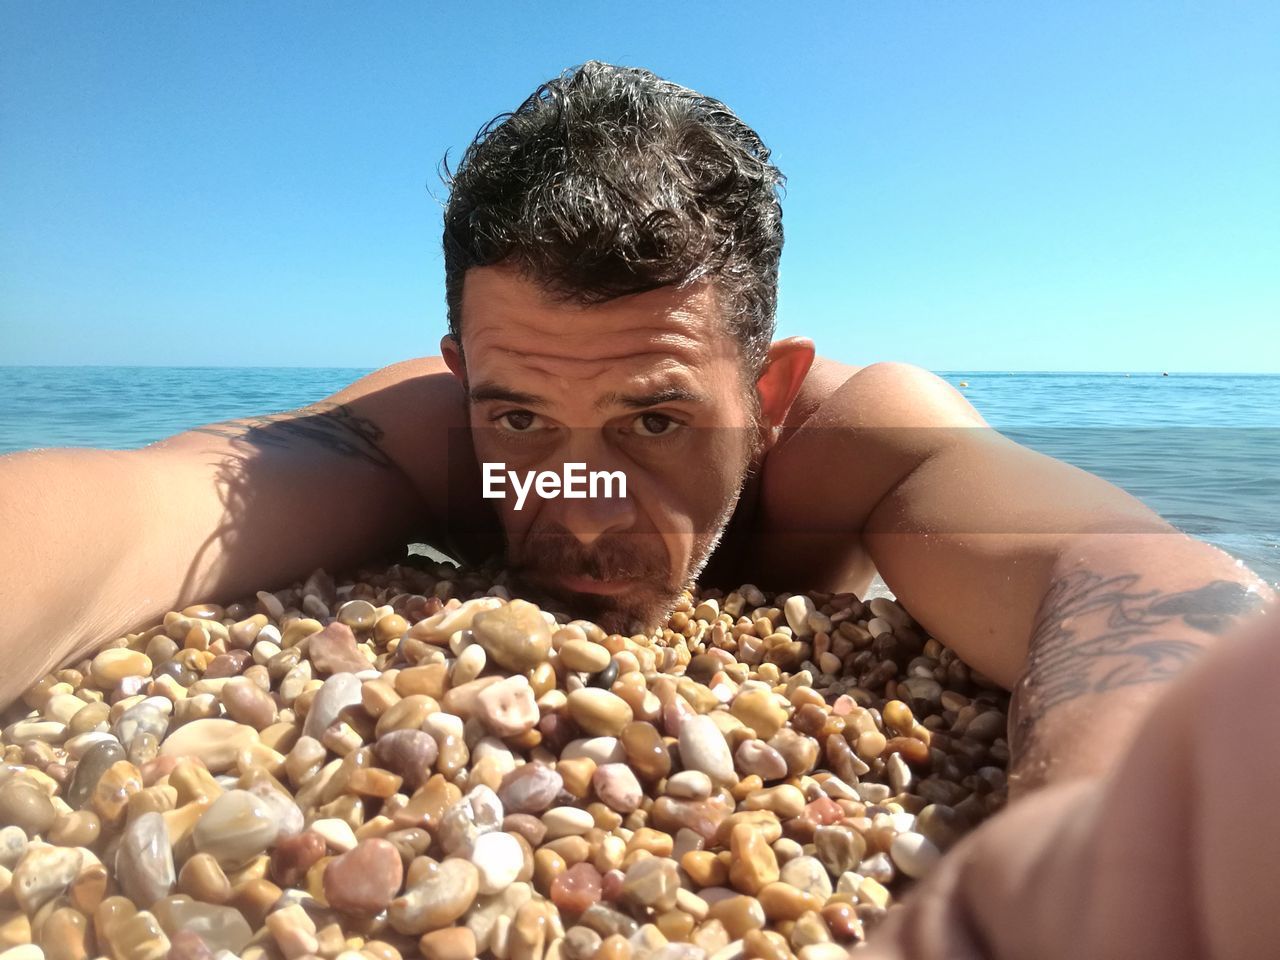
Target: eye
x: 517, y: 421
x: 655, y: 425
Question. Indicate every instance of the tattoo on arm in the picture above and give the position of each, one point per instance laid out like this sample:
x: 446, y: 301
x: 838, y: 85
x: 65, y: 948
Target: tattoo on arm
x: 1097, y: 634
x: 329, y: 425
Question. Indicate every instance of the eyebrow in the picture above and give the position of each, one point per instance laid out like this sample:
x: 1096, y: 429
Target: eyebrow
x: 492, y: 391
x: 654, y: 399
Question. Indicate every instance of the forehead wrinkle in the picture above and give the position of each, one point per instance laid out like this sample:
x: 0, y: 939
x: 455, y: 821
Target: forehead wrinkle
x: 653, y: 341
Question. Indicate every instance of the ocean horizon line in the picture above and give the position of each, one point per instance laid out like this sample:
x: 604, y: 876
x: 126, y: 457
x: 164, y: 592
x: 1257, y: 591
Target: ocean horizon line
x: 950, y: 371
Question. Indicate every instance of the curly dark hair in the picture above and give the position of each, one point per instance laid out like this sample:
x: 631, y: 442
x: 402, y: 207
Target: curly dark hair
x: 610, y: 181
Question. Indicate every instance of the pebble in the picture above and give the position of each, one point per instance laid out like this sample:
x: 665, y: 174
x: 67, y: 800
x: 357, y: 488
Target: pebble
x: 144, y: 860
x: 147, y: 717
x: 409, y: 753
x: 616, y: 785
x: 645, y: 751
x: 839, y: 848
x: 218, y: 927
x: 340, y: 691
x: 703, y: 747
x: 652, y: 882
x: 336, y: 833
x: 479, y: 812
x: 753, y: 861
x: 112, y: 792
x: 26, y: 806
x: 454, y: 943
x: 202, y: 878
x: 597, y: 749
x: 514, y: 635
x: 797, y: 610
x: 584, y: 656
x: 292, y: 857
x: 95, y: 761
x: 363, y: 881
x: 215, y: 741
x: 599, y: 712
x: 759, y: 709
x: 508, y: 707
x: 633, y: 797
x: 238, y: 825
x: 441, y: 895
x: 333, y: 650
x: 566, y: 822
x: 577, y: 888
x: 808, y: 875
x: 246, y: 702
x: 530, y: 788
x: 914, y: 854
x: 43, y: 873
x: 758, y: 758
x: 689, y: 785
x: 499, y: 858
x: 109, y: 667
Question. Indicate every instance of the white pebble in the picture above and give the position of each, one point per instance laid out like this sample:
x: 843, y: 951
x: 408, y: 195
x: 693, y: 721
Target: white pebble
x: 498, y: 856
x: 566, y: 822
x: 914, y: 854
x: 337, y: 833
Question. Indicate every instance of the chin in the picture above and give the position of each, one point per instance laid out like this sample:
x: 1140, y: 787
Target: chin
x: 638, y: 610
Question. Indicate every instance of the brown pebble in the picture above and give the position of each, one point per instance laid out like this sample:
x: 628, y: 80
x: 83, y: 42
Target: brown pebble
x: 246, y: 702
x: 64, y: 935
x: 454, y: 943
x: 333, y: 650
x: 781, y: 901
x: 202, y: 878
x: 738, y: 914
x: 362, y: 881
x: 754, y: 863
x: 646, y: 750
x: 547, y: 868
x: 27, y: 806
x: 576, y: 888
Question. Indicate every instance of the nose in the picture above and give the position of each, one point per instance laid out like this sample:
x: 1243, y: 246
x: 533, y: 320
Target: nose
x: 590, y: 519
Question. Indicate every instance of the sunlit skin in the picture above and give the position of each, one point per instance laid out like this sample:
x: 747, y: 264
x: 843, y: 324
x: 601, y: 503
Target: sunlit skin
x: 651, y: 385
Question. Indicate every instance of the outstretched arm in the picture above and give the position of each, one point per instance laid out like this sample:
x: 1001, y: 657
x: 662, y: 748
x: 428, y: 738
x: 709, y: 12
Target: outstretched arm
x: 1152, y: 860
x: 1047, y: 579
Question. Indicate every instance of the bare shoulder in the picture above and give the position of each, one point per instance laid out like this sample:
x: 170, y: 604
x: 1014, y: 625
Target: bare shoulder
x: 889, y: 394
x: 864, y: 430
x: 417, y: 407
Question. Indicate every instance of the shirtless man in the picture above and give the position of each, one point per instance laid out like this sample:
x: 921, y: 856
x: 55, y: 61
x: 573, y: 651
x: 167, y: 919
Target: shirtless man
x: 611, y: 256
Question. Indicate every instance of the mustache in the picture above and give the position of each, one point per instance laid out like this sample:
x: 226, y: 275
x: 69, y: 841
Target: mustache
x: 559, y: 553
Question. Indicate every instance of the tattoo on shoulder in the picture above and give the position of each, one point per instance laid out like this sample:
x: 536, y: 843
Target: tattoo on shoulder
x: 1097, y: 634
x: 329, y: 425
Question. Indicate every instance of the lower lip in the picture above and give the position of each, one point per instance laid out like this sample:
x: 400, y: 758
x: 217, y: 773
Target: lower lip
x: 607, y: 588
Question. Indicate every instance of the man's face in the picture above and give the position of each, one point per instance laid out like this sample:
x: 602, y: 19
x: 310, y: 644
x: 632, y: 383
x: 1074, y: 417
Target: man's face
x: 650, y: 385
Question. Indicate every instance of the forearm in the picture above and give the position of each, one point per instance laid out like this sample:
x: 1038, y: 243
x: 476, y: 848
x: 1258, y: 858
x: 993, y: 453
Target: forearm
x: 62, y: 554
x: 1123, y: 615
x: 1151, y: 860
x: 97, y: 543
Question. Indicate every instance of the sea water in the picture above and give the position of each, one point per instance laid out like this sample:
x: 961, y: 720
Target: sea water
x: 1202, y: 450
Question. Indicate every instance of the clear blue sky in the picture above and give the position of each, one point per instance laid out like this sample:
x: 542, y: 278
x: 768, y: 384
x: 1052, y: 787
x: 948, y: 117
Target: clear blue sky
x: 1078, y: 186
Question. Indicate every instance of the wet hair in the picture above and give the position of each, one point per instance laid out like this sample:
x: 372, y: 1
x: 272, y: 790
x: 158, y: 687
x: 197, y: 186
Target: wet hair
x: 610, y: 181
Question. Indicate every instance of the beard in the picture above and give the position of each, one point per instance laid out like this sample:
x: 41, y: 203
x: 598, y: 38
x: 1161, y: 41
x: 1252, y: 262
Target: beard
x: 640, y: 559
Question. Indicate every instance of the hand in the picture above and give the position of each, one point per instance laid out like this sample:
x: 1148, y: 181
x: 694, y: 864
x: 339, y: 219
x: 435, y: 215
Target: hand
x: 1174, y: 854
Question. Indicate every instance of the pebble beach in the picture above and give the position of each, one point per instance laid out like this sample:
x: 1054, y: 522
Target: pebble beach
x: 409, y: 762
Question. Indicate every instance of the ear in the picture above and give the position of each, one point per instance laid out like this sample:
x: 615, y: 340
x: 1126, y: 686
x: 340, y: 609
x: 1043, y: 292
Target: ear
x: 785, y: 368
x: 452, y: 354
